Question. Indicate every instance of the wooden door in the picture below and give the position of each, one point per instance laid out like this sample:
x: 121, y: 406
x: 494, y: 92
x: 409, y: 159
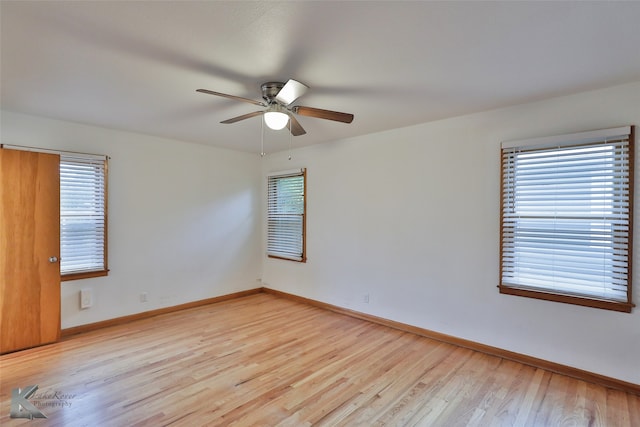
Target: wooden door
x: 29, y: 249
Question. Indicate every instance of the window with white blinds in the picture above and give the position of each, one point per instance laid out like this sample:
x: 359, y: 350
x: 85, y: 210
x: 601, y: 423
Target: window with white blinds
x: 286, y: 200
x: 83, y: 208
x: 566, y: 218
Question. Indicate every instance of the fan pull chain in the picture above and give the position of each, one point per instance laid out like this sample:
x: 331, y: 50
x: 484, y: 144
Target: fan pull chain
x: 290, y: 130
x: 262, y: 153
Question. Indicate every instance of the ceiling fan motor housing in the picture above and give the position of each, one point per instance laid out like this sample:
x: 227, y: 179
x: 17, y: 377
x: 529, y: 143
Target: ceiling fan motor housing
x: 270, y: 90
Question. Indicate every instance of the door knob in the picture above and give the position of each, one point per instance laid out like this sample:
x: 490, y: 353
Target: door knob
x: 53, y: 259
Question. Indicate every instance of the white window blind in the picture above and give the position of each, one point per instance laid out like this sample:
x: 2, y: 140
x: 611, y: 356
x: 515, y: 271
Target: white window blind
x: 82, y: 215
x: 566, y: 216
x: 286, y: 215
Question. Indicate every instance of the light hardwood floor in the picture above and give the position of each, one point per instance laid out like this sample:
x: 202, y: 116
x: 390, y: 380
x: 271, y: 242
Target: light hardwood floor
x: 264, y: 360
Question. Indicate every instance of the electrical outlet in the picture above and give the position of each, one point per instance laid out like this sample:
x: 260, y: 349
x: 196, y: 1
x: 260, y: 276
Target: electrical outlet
x: 86, y: 298
x: 144, y: 297
x: 365, y: 298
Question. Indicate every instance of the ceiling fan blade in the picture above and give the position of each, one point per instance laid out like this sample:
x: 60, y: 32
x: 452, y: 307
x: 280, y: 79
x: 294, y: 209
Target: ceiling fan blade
x: 295, y: 127
x: 291, y: 91
x: 242, y: 117
x: 323, y: 114
x: 237, y: 98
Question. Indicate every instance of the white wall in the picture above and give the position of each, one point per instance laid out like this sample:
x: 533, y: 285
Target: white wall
x: 184, y: 221
x: 411, y: 217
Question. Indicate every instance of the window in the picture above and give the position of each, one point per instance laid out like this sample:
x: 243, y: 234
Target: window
x: 83, y: 217
x: 566, y: 218
x: 286, y: 223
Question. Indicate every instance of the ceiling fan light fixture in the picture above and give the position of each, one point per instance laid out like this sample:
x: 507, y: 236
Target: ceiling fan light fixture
x: 276, y: 120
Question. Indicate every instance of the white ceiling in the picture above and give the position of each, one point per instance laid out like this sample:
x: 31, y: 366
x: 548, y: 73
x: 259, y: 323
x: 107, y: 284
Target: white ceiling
x: 135, y: 65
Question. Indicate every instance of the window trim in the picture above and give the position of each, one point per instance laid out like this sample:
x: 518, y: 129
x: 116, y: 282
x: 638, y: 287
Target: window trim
x: 582, y: 300
x: 296, y: 172
x: 105, y: 270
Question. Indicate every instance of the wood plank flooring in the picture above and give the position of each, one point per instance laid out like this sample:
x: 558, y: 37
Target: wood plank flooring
x: 262, y: 360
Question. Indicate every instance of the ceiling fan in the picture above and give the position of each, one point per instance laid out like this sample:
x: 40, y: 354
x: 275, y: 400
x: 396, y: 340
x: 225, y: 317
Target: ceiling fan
x: 279, y: 112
